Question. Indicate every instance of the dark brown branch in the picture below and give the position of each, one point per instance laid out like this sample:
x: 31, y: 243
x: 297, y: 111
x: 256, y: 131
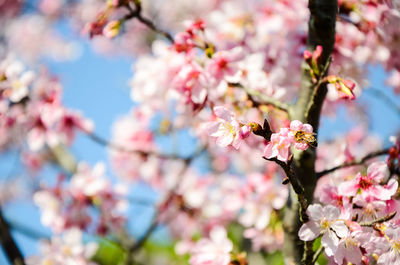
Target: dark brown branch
x: 321, y: 31
x: 10, y: 247
x: 380, y: 220
x: 297, y: 187
x: 355, y: 162
x: 137, y: 13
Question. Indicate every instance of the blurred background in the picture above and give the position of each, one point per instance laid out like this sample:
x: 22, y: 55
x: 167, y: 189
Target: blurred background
x: 97, y: 84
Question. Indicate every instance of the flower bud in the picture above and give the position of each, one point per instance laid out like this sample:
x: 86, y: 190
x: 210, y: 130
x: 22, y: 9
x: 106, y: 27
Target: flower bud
x: 112, y: 29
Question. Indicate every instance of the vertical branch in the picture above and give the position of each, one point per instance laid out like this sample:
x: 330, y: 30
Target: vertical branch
x: 321, y: 31
x: 8, y: 243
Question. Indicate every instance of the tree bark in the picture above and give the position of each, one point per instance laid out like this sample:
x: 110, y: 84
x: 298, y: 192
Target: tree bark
x: 321, y: 31
x: 8, y: 243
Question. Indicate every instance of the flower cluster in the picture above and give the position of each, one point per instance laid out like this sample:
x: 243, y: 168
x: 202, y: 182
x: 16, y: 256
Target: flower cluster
x: 353, y: 207
x: 299, y: 135
x: 31, y: 109
x: 67, y: 249
x: 65, y: 207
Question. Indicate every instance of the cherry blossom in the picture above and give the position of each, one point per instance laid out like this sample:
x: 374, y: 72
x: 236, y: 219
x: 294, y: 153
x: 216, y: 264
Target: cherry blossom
x: 65, y: 207
x: 67, y: 249
x: 324, y: 220
x: 214, y: 250
x: 391, y: 254
x: 227, y: 129
x: 348, y: 250
x: 279, y: 146
x: 369, y: 184
x: 303, y: 134
x: 16, y: 81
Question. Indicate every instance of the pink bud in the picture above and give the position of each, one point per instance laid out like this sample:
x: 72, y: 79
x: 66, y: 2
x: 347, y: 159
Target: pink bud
x: 317, y: 53
x: 245, y: 131
x: 307, y: 56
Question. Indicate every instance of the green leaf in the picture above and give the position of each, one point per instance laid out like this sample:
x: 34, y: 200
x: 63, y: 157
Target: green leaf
x: 109, y: 253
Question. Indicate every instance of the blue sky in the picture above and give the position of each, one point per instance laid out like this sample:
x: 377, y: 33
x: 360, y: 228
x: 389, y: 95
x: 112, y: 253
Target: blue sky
x: 98, y: 86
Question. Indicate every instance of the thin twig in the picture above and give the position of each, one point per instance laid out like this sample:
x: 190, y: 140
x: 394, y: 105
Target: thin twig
x: 140, y: 201
x: 297, y: 187
x: 355, y: 162
x: 137, y: 13
x: 265, y: 100
x: 28, y: 231
x: 147, y: 234
x: 317, y: 254
x: 379, y: 220
x: 156, y: 219
x: 98, y: 139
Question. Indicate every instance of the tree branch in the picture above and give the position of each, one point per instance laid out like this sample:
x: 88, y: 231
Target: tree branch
x: 297, y: 186
x: 355, y: 162
x: 137, y: 13
x: 379, y: 220
x: 317, y: 254
x: 154, y: 224
x: 13, y: 253
x: 265, y: 100
x: 321, y: 31
x: 98, y: 139
x: 155, y: 221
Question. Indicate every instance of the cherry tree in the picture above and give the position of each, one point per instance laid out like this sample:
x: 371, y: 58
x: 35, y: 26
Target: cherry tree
x: 250, y: 83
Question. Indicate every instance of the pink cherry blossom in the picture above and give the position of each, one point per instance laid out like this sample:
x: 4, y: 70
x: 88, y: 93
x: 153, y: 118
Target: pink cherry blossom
x: 191, y: 81
x: 370, y: 184
x: 348, y: 249
x: 214, y: 250
x: 390, y: 253
x: 227, y: 129
x: 279, y: 145
x: 65, y: 250
x: 17, y: 81
x: 203, y: 55
x: 302, y: 134
x: 65, y: 207
x: 324, y: 220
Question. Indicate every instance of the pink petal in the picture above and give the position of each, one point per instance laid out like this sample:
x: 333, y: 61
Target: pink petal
x: 296, y: 125
x: 225, y: 140
x: 377, y: 171
x: 315, y: 212
x: 330, y: 241
x: 223, y: 113
x: 309, y: 231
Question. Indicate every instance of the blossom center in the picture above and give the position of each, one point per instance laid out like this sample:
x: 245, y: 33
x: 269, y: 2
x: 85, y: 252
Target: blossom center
x: 365, y: 183
x: 227, y: 128
x: 325, y: 224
